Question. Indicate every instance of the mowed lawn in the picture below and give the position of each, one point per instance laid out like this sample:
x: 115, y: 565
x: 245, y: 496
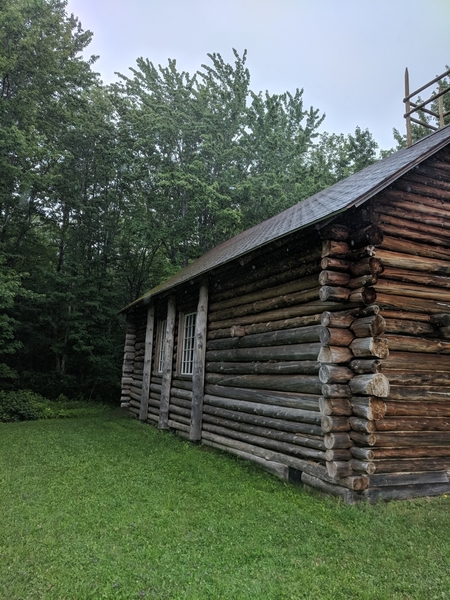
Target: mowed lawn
x: 107, y: 507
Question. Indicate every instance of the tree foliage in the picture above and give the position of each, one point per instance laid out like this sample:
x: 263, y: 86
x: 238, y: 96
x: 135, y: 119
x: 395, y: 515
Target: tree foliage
x: 107, y: 190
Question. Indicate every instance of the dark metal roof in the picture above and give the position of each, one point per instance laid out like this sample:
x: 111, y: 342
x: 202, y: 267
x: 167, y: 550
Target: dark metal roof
x: 353, y: 191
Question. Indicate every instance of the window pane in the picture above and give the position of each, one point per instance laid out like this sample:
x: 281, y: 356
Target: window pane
x: 187, y: 362
x: 162, y: 341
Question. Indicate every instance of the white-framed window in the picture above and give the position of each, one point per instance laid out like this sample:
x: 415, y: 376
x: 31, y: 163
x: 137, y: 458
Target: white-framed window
x: 161, y: 354
x: 188, y: 342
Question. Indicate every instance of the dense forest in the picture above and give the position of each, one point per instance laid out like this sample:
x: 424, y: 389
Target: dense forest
x: 108, y: 189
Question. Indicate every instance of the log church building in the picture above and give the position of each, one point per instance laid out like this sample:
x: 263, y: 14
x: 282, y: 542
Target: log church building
x: 317, y: 343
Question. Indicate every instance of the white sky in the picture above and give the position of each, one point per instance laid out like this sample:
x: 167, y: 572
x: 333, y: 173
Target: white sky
x: 348, y: 55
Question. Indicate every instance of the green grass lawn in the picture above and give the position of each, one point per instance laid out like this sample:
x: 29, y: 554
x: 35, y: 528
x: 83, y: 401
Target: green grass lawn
x: 106, y: 507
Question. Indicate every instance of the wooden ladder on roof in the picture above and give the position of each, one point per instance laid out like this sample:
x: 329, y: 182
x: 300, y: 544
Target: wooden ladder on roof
x: 412, y: 107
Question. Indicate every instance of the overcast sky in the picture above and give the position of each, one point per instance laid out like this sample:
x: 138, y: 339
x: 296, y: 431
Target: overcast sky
x: 349, y: 56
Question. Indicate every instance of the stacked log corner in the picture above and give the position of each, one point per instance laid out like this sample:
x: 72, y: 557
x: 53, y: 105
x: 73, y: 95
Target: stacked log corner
x: 404, y: 440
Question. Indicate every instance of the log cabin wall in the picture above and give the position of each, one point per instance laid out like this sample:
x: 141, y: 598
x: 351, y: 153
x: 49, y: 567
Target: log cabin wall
x: 327, y: 357
x: 403, y: 441
x: 136, y: 323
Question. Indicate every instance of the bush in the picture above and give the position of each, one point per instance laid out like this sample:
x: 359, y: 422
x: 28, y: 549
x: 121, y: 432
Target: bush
x: 20, y: 406
x: 25, y: 405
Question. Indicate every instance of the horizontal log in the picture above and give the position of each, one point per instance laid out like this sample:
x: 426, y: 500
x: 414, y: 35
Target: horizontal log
x: 362, y: 281
x: 259, y: 306
x: 419, y: 394
x: 277, y: 445
x: 336, y: 390
x: 402, y: 326
x: 334, y: 355
x: 338, y: 454
x: 409, y: 276
x: 341, y: 319
x: 372, y: 326
x: 413, y: 202
x: 415, y: 423
x: 335, y: 249
x: 339, y: 468
x: 308, y: 384
x: 335, y: 406
x: 297, y: 285
x: 368, y: 407
x: 370, y: 346
x: 373, y: 384
x: 417, y: 236
x: 335, y: 294
x: 408, y: 247
x: 364, y: 295
x: 415, y: 361
x: 334, y: 336
x: 410, y: 262
x: 337, y: 440
x: 405, y: 492
x: 304, y: 433
x: 404, y: 343
x: 411, y: 452
x: 334, y: 264
x: 399, y: 465
x: 277, y: 398
x: 279, y: 368
x: 362, y: 466
x: 333, y: 424
x: 295, y: 335
x: 334, y: 278
x: 347, y: 495
x: 265, y: 453
x: 334, y: 374
x: 365, y: 365
x: 363, y: 252
x: 420, y: 186
x: 265, y: 327
x: 406, y: 439
x: 396, y: 288
x: 368, y: 265
x: 277, y: 412
x: 308, y: 351
x: 418, y: 378
x: 362, y: 425
x: 314, y: 307
x: 234, y: 281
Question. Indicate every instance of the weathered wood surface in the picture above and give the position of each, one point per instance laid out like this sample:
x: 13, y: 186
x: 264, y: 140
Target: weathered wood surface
x: 264, y: 327
x: 400, y: 465
x: 409, y: 452
x: 370, y: 346
x: 334, y: 374
x: 373, y: 384
x: 167, y: 367
x: 305, y: 433
x: 299, y: 352
x: 276, y: 398
x: 415, y: 361
x: 334, y: 336
x: 308, y: 384
x: 405, y: 492
x: 406, y: 439
x: 265, y: 442
x: 371, y: 326
x: 147, y: 371
x: 198, y: 374
x: 266, y: 293
x: 265, y: 368
x: 277, y: 412
x: 334, y: 355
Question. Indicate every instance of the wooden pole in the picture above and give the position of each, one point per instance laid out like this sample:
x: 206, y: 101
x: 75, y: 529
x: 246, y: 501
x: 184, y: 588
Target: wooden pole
x: 407, y: 110
x: 148, y: 352
x: 198, y: 375
x: 167, y: 368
